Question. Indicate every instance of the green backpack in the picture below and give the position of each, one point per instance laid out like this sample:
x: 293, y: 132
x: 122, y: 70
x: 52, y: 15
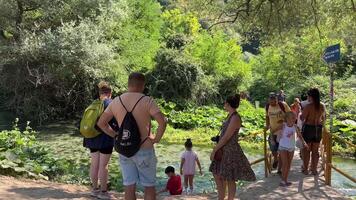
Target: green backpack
x: 90, y: 117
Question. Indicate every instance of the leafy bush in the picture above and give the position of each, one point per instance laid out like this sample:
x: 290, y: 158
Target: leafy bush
x: 211, y: 116
x: 21, y: 154
x: 174, y: 75
x: 222, y: 58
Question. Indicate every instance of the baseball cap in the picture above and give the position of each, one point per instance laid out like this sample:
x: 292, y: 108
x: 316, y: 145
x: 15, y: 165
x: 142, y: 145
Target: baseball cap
x: 272, y: 95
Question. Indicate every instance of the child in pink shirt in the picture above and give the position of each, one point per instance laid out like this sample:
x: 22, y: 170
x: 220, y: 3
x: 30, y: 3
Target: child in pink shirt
x: 189, y: 159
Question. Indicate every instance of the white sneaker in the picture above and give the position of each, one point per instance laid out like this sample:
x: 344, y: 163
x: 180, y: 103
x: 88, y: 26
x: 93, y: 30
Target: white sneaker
x: 187, y: 191
x: 191, y: 191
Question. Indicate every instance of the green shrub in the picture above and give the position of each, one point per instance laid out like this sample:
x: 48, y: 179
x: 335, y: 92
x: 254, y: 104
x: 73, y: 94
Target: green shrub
x: 191, y: 117
x: 21, y: 154
x: 174, y: 76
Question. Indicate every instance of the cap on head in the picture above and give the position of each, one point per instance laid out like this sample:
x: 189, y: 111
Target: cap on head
x: 272, y: 95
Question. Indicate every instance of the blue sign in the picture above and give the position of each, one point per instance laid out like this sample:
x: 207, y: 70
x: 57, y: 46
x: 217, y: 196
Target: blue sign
x: 332, y: 54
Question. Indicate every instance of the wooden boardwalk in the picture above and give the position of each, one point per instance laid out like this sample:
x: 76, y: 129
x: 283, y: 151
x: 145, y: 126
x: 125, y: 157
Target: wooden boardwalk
x: 303, y: 186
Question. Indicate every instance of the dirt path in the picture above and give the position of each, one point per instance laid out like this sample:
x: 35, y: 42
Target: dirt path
x: 304, y: 187
x: 14, y: 189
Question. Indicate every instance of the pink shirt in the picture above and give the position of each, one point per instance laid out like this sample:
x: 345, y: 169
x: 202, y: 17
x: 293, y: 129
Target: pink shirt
x: 190, y: 158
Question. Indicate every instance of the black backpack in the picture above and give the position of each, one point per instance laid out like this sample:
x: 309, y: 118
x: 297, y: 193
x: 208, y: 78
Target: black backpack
x: 128, y: 141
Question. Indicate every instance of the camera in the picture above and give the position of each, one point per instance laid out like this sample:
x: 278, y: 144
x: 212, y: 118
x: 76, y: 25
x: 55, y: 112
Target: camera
x: 215, y: 138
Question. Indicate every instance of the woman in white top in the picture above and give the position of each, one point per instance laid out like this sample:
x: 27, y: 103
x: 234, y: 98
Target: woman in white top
x: 287, y: 145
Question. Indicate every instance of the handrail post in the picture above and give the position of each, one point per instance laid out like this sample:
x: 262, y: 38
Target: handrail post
x: 328, y: 152
x: 265, y: 153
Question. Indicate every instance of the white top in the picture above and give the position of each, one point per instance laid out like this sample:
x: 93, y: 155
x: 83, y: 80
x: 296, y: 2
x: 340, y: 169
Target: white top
x: 288, y: 136
x: 190, y: 158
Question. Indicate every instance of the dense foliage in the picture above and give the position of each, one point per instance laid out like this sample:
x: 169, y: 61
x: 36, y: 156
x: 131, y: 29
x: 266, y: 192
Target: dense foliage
x: 53, y: 53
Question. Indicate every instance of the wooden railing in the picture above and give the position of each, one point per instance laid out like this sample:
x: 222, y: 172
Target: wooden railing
x: 267, y: 157
x: 326, y: 156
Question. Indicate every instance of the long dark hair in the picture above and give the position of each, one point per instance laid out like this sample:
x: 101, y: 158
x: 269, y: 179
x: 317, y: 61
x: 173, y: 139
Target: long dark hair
x: 315, y: 94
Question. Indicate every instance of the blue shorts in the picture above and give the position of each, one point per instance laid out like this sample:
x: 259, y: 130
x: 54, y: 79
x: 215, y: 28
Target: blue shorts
x: 140, y: 168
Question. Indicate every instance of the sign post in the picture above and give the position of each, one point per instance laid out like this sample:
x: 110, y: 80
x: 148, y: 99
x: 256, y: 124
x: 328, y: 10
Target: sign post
x: 330, y: 56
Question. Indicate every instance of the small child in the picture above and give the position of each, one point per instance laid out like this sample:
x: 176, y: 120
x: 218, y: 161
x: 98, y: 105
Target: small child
x: 187, y: 166
x: 287, y: 145
x: 174, y: 184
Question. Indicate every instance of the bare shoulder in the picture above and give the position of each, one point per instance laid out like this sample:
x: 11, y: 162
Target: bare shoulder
x: 236, y: 118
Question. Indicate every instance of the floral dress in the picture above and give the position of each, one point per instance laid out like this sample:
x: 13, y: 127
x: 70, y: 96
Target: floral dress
x: 234, y: 164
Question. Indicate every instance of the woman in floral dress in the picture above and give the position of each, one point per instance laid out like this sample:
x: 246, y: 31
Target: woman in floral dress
x: 232, y: 165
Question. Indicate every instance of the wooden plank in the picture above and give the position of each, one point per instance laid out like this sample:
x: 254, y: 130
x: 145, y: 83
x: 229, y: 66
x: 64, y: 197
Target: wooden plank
x: 257, y: 161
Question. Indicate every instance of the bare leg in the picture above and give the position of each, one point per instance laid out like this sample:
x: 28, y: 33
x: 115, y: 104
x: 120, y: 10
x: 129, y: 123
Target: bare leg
x: 150, y: 193
x: 221, y: 186
x: 280, y: 163
x: 290, y: 159
x: 130, y: 192
x: 231, y: 190
x: 275, y: 156
x: 306, y: 158
x: 190, y: 179
x: 94, y: 169
x: 103, y: 171
x: 284, y: 157
x: 186, y: 182
x: 314, y: 157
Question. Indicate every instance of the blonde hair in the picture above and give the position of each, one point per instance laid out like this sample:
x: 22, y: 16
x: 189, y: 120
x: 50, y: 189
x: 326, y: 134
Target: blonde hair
x: 288, y: 115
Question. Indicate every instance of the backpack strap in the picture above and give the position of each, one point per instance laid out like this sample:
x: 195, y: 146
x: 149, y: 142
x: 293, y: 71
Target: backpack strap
x: 134, y: 105
x: 137, y: 103
x: 281, y: 106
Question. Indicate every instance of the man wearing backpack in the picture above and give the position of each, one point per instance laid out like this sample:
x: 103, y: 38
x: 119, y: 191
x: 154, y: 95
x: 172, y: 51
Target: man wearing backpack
x: 275, y: 111
x: 133, y: 111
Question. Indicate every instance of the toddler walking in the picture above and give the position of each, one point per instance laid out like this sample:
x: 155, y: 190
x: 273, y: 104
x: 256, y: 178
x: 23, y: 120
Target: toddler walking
x: 287, y: 145
x: 189, y: 159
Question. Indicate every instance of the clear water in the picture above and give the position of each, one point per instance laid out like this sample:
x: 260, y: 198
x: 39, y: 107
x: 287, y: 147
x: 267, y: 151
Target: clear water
x: 169, y: 155
x: 339, y: 181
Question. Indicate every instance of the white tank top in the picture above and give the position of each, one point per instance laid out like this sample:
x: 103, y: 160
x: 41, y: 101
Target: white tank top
x: 288, y: 136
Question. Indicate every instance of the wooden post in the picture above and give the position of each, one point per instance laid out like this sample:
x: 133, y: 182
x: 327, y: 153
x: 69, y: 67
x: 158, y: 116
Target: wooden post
x: 265, y: 152
x: 328, y: 156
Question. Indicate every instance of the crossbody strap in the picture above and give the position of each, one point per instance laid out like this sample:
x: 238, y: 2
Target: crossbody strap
x: 133, y: 106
